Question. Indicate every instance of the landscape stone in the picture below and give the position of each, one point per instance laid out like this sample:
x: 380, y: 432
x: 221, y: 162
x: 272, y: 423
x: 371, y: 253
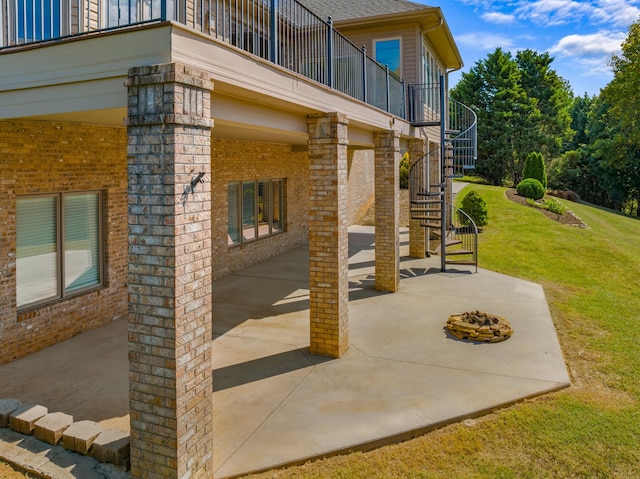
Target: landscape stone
x: 80, y: 435
x: 24, y: 418
x: 7, y: 406
x: 111, y: 446
x: 51, y: 427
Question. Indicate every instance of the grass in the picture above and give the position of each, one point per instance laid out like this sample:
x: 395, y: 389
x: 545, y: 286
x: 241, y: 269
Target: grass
x: 591, y: 430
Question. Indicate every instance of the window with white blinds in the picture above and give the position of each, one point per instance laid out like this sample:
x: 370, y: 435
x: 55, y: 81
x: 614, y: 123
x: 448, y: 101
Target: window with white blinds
x: 255, y: 210
x: 58, y: 246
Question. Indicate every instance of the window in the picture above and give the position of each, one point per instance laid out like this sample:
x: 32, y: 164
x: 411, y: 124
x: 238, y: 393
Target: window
x: 388, y: 53
x: 59, y: 246
x: 255, y: 210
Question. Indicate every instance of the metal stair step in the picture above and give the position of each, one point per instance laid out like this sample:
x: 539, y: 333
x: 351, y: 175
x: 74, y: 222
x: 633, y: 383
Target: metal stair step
x: 433, y: 226
x: 469, y: 262
x: 428, y: 218
x: 426, y: 202
x: 459, y: 252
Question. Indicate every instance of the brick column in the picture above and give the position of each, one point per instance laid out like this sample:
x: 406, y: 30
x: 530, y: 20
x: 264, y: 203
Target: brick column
x: 170, y: 381
x: 417, y: 241
x: 387, y: 183
x: 328, y: 235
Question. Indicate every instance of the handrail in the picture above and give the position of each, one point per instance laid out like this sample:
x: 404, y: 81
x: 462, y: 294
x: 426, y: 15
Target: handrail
x: 283, y: 32
x: 462, y: 135
x: 426, y: 107
x: 464, y: 229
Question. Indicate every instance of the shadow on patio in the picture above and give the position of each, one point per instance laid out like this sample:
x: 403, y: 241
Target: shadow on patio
x: 276, y: 404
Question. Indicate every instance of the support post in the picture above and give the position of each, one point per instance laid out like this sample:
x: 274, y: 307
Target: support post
x: 328, y: 235
x: 417, y: 236
x: 387, y: 192
x: 170, y: 304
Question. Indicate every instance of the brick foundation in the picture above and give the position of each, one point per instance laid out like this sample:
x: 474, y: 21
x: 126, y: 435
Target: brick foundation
x: 39, y: 157
x: 233, y: 160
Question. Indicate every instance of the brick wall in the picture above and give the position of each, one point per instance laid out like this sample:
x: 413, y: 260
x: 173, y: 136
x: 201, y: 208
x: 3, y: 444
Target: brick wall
x: 360, y: 185
x: 45, y: 157
x: 246, y: 161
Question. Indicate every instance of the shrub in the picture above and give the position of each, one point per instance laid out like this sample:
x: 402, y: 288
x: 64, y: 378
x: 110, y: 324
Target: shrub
x: 534, y: 167
x: 553, y: 205
x: 404, y: 171
x: 530, y: 188
x: 476, y: 208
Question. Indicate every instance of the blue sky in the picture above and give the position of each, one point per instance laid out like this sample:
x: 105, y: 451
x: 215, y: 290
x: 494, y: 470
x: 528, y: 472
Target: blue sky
x: 580, y: 35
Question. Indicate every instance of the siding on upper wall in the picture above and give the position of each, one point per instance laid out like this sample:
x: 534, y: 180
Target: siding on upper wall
x: 410, y: 43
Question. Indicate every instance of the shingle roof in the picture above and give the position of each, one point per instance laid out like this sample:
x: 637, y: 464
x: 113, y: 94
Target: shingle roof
x: 340, y: 10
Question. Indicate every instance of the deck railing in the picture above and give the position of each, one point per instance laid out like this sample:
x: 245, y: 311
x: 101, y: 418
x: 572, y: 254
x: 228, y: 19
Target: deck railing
x: 281, y: 31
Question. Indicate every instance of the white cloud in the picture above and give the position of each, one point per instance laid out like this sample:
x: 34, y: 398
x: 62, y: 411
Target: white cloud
x: 562, y: 12
x: 498, y: 18
x: 603, y: 43
x: 485, y: 41
x: 553, y: 12
x: 615, y: 12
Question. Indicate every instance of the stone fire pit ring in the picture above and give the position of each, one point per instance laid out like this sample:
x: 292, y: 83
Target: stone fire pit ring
x: 479, y: 326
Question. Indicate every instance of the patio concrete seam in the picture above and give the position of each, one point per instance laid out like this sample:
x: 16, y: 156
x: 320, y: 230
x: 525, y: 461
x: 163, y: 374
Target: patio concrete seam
x: 265, y: 419
x: 464, y: 370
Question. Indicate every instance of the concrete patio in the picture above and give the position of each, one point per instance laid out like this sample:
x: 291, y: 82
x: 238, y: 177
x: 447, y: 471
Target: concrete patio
x: 275, y: 404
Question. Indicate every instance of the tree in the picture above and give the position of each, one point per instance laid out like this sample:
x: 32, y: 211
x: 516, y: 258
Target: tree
x: 554, y: 98
x: 506, y: 116
x: 534, y: 167
x: 476, y: 208
x: 579, y: 112
x: 610, y: 169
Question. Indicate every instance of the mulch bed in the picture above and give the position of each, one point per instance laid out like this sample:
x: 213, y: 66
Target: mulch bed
x: 568, y: 218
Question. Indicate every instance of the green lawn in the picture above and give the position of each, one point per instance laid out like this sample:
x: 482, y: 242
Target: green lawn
x: 591, y: 430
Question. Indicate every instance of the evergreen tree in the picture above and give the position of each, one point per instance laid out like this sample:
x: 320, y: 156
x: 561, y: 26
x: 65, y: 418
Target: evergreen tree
x: 554, y: 98
x: 506, y: 116
x: 610, y: 170
x: 535, y: 168
x: 579, y: 112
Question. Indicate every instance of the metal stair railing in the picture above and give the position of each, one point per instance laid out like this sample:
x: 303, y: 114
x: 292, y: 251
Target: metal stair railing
x: 461, y: 134
x: 284, y: 32
x: 462, y: 239
x: 455, y: 229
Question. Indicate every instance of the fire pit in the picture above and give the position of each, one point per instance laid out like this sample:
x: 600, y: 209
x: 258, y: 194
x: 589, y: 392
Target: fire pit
x: 479, y: 326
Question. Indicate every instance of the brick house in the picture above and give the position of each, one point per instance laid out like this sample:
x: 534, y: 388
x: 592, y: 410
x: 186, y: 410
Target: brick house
x: 150, y: 147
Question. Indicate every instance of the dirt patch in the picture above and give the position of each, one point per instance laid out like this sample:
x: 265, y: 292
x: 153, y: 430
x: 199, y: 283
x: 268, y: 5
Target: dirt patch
x: 568, y: 218
x: 9, y: 472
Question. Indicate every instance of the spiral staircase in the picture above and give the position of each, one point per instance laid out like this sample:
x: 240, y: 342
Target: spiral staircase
x: 450, y: 232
